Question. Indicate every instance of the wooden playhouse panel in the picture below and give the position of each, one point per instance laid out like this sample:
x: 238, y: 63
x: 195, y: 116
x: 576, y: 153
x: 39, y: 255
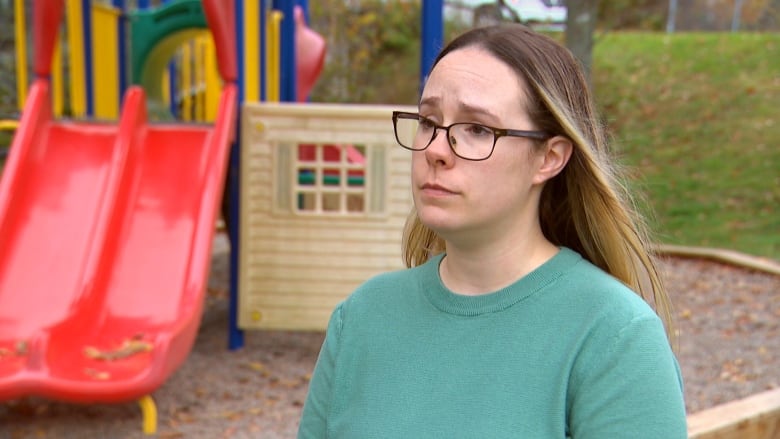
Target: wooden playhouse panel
x: 296, y: 266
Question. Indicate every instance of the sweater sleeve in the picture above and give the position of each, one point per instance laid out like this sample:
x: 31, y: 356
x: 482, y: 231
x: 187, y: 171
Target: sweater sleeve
x: 629, y: 387
x: 314, y: 420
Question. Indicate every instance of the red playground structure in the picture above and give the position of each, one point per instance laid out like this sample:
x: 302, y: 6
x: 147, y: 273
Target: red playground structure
x: 105, y: 237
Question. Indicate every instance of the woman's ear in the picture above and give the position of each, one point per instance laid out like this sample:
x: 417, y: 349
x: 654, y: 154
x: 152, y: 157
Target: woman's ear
x: 557, y: 152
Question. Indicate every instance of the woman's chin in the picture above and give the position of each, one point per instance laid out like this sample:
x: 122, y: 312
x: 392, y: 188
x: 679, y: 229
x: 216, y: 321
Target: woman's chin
x: 439, y: 222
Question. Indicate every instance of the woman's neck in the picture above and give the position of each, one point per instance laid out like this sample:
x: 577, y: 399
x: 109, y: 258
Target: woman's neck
x: 490, y: 266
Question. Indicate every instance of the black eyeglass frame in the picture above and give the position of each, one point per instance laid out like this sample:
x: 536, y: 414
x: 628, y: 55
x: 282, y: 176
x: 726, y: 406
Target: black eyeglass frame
x: 497, y: 133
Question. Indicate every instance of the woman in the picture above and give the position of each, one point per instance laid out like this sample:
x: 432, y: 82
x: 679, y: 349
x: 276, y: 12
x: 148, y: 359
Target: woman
x: 517, y: 318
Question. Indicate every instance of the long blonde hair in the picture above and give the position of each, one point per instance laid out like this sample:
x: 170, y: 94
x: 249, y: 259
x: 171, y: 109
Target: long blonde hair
x: 586, y: 207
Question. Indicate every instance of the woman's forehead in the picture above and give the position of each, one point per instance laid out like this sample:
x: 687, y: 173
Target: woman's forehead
x: 474, y: 80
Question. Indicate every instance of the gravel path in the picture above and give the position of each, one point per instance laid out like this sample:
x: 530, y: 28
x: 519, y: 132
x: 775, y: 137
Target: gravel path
x: 729, y: 348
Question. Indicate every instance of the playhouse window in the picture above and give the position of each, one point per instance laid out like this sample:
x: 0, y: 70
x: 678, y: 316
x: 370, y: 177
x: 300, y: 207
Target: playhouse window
x: 330, y: 179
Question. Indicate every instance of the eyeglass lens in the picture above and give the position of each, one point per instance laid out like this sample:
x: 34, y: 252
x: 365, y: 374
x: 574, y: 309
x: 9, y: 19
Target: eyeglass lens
x: 467, y: 140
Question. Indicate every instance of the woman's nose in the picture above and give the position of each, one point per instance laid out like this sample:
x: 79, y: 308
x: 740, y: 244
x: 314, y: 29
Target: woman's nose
x: 439, y: 149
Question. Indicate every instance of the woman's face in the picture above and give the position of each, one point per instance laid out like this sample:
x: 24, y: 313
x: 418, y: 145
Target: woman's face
x: 462, y: 199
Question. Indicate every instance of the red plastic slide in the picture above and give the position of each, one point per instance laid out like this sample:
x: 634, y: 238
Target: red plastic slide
x: 105, y: 243
x: 105, y: 238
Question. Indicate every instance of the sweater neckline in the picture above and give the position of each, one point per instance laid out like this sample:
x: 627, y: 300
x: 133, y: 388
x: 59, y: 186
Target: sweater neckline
x: 465, y: 305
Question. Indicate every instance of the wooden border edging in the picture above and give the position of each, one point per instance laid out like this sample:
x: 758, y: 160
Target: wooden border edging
x: 728, y: 256
x: 754, y: 417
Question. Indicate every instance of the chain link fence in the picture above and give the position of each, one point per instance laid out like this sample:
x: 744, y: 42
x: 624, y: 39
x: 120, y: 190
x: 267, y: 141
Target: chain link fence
x: 8, y: 94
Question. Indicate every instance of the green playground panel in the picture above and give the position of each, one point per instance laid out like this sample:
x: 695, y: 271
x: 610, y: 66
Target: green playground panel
x: 156, y: 34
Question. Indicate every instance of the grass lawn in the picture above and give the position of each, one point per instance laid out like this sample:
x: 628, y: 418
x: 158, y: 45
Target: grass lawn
x: 697, y: 118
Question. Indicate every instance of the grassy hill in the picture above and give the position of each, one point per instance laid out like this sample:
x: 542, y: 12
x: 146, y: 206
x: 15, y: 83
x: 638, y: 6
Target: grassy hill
x: 697, y: 118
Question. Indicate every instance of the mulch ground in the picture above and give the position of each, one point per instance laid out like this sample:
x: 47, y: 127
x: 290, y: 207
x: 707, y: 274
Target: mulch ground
x: 728, y: 320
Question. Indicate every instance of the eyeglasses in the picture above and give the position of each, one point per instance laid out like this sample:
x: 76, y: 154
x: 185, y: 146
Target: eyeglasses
x: 470, y: 141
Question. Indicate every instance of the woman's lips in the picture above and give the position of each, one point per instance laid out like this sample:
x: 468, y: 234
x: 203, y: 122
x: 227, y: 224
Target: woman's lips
x: 433, y: 189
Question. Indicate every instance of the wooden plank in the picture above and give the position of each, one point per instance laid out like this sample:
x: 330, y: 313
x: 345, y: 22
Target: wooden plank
x: 299, y: 286
x: 294, y: 302
x: 305, y: 247
x: 334, y: 273
x: 723, y: 255
x: 317, y: 228
x: 754, y: 417
x: 300, y: 319
x: 266, y: 262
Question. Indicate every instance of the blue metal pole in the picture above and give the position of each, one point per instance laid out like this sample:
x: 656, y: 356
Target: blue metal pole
x: 235, y: 334
x: 287, y: 76
x: 432, y: 36
x: 121, y: 49
x: 173, y: 105
x: 263, y: 20
x: 305, y: 5
x: 89, y: 83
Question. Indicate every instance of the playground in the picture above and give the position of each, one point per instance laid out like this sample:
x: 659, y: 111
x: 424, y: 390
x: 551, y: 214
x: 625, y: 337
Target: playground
x: 258, y: 391
x: 196, y: 337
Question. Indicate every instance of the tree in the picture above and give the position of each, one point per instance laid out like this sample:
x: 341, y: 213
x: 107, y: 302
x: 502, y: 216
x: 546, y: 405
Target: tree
x: 580, y: 25
x: 671, y: 18
x: 736, y: 18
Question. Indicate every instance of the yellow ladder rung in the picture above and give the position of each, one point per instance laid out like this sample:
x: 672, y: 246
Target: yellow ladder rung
x: 149, y: 412
x: 8, y: 125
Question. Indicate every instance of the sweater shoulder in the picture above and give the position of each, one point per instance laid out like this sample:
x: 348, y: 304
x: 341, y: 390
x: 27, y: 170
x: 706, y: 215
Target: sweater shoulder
x: 384, y: 290
x: 589, y: 288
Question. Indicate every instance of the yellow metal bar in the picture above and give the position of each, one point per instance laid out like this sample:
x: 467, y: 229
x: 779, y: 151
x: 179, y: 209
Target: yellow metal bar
x: 78, y: 93
x: 20, y: 39
x: 274, y: 56
x: 213, y: 84
x: 105, y: 65
x: 166, y: 87
x: 186, y: 82
x: 57, y: 83
x: 149, y: 413
x: 199, y: 83
x: 251, y: 51
x: 205, y: 42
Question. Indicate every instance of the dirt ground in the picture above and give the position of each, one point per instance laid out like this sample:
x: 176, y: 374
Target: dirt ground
x: 728, y: 319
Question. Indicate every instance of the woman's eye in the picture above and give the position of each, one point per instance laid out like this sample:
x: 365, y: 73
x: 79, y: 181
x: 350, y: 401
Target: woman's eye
x: 478, y: 130
x: 426, y: 124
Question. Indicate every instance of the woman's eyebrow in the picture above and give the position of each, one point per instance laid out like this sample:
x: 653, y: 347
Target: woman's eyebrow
x: 430, y: 101
x: 463, y: 108
x: 479, y: 111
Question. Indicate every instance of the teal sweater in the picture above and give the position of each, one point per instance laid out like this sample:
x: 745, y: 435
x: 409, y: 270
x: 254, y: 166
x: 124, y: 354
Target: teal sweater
x: 566, y: 351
